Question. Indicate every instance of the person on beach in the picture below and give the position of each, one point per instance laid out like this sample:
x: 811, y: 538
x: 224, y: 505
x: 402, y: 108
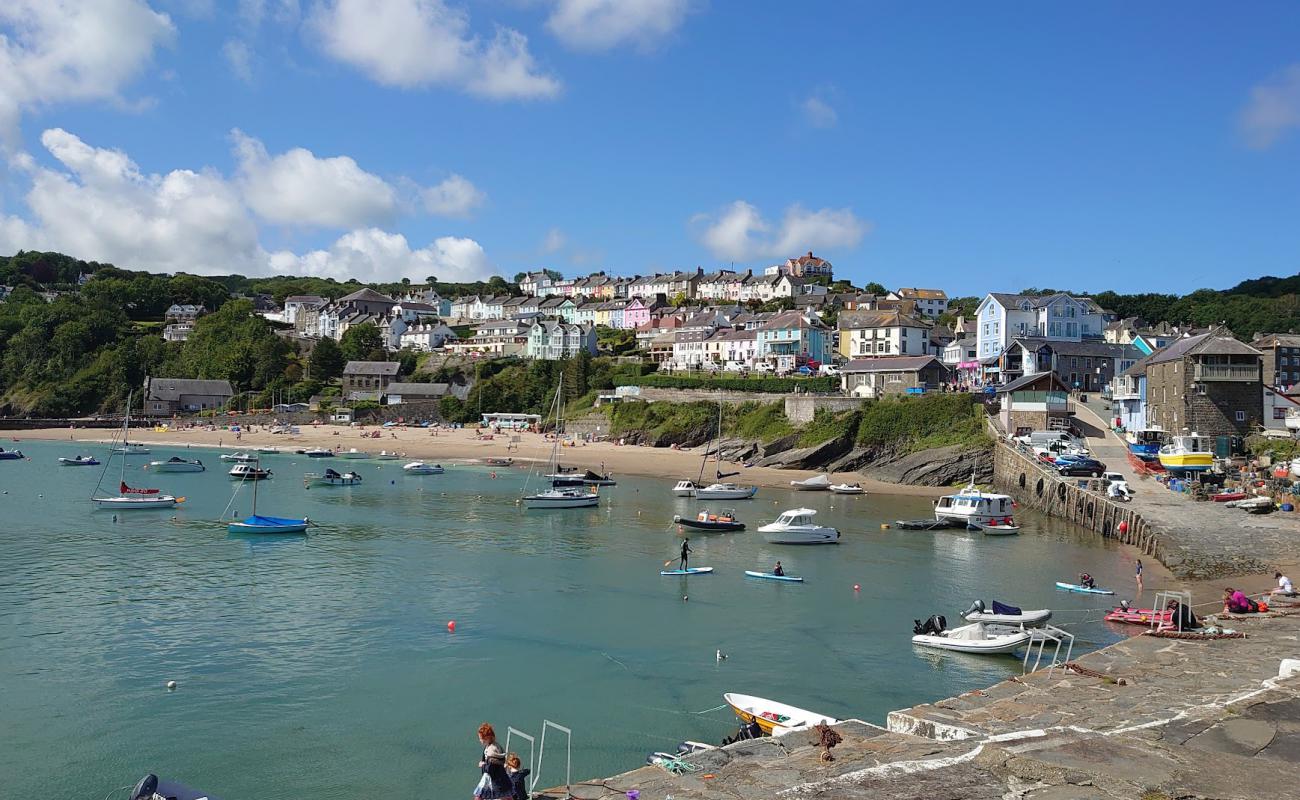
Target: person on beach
x: 1181, y: 616
x: 518, y: 777
x: 1235, y: 602
x: 686, y: 552
x: 778, y: 569
x: 494, y: 783
x: 1284, y: 585
x: 1138, y: 569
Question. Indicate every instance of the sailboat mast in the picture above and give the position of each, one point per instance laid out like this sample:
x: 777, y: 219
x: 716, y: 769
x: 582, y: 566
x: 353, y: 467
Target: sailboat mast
x: 126, y: 434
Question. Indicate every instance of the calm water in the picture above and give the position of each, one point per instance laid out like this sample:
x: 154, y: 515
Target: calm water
x: 322, y: 667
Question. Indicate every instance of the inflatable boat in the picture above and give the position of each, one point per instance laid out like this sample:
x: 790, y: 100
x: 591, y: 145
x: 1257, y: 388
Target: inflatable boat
x: 1006, y: 615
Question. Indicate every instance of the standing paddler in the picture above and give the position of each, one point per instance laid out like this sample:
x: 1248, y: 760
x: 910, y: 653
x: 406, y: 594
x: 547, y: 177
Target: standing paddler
x: 686, y: 551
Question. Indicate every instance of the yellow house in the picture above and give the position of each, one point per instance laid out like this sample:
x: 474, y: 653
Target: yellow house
x: 873, y: 334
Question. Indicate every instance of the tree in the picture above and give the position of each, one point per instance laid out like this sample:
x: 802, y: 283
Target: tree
x: 875, y: 288
x: 678, y: 300
x: 431, y: 280
x: 326, y: 360
x: 359, y: 341
x: 519, y: 276
x: 408, y: 359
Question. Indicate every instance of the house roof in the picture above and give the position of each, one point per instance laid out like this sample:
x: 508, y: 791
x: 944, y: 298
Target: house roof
x: 420, y: 389
x: 1138, y: 369
x: 371, y: 368
x: 878, y: 318
x: 305, y: 299
x: 367, y: 295
x: 1277, y: 340
x: 922, y: 294
x: 1090, y: 348
x: 793, y: 319
x: 1030, y: 380
x: 171, y: 389
x: 1214, y: 342
x: 890, y: 364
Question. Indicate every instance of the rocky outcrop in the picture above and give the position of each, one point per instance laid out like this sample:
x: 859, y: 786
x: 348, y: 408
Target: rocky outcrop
x: 814, y: 457
x: 939, y: 466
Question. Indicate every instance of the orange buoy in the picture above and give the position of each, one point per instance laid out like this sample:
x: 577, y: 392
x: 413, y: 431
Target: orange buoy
x: 857, y: 588
x: 451, y: 626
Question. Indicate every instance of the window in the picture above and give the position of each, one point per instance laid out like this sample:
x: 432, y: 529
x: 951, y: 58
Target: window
x: 1278, y: 413
x: 1241, y: 416
x: 1087, y: 362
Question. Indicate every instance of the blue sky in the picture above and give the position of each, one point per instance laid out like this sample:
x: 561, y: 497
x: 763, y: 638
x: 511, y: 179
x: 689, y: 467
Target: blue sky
x: 973, y: 147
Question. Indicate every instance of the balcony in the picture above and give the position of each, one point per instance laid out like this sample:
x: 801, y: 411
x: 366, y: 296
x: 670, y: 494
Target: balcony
x: 1244, y: 373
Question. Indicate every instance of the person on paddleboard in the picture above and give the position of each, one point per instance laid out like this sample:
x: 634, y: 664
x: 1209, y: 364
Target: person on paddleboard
x: 778, y: 569
x: 1086, y: 581
x: 686, y: 552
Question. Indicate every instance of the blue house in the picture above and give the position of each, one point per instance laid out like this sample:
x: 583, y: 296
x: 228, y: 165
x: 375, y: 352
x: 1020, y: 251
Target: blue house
x: 1129, y: 397
x: 791, y: 338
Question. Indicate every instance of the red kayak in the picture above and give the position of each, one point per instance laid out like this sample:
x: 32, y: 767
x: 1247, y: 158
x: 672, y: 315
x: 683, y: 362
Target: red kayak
x: 1223, y: 497
x: 1140, y: 616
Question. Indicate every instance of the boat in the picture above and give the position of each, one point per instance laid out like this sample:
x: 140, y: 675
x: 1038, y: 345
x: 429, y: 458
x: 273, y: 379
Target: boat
x: 353, y: 452
x: 384, y: 455
x: 331, y: 478
x: 176, y: 464
x: 685, y: 489
x: 10, y: 455
x: 704, y: 521
x: 848, y: 488
x: 973, y: 638
x: 1145, y: 443
x: 130, y: 449
x: 796, y: 527
x: 498, y: 462
x: 1075, y: 587
x: 79, y: 461
x: 725, y: 491
x: 1292, y: 421
x: 590, y: 478
x: 151, y: 786
x: 249, y: 472
x: 1186, y: 454
x: 262, y: 524
x: 421, y: 468
x: 1225, y: 497
x: 269, y: 451
x: 317, y: 452
x: 684, y: 749
x: 719, y: 489
x: 776, y: 719
x: 689, y: 571
x: 998, y: 528
x: 562, y: 472
x: 240, y: 457
x: 772, y: 576
x: 1139, y: 616
x: 1006, y: 615
x: 128, y: 498
x: 817, y: 483
x: 562, y: 495
x: 975, y: 506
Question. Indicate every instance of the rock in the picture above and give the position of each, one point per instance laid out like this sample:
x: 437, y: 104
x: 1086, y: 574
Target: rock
x: 779, y: 445
x: 939, y: 466
x: 814, y: 457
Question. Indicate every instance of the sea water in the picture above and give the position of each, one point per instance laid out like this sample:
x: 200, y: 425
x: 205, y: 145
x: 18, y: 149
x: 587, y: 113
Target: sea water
x: 322, y: 666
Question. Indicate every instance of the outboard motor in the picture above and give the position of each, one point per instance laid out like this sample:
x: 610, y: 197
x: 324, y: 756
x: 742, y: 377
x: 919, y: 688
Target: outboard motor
x: 977, y: 606
x: 1124, y: 605
x: 145, y: 789
x: 933, y: 626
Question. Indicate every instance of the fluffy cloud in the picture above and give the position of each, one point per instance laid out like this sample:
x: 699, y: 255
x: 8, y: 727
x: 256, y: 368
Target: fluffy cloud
x: 100, y: 206
x: 595, y: 25
x: 66, y: 50
x: 297, y: 188
x: 819, y: 113
x: 739, y: 233
x: 1273, y: 109
x: 554, y: 241
x: 414, y: 43
x: 454, y: 197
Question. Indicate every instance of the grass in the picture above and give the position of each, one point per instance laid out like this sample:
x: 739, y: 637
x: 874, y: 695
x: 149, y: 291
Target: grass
x: 827, y: 425
x: 933, y: 420
x: 763, y: 422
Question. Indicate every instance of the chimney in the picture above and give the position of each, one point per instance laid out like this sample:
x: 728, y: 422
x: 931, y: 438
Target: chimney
x: 810, y: 255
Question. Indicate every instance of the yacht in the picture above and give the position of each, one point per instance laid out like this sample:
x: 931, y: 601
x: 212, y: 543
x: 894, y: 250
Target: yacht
x: 718, y: 490
x: 1145, y: 443
x: 796, y: 526
x: 563, y: 493
x: 725, y: 491
x: 1189, y: 453
x: 975, y: 507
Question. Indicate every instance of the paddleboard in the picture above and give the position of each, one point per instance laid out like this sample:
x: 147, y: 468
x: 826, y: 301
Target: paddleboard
x: 1074, y: 587
x: 691, y: 571
x: 769, y: 576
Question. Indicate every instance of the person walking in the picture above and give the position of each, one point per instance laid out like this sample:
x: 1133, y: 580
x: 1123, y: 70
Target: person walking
x: 686, y: 553
x: 1138, y: 570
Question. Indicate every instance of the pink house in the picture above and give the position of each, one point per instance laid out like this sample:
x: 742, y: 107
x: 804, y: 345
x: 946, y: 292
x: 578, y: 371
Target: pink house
x: 635, y: 314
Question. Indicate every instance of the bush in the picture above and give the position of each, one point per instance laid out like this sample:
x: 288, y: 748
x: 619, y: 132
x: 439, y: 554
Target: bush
x: 932, y: 420
x: 756, y: 384
x: 760, y: 421
x: 827, y: 425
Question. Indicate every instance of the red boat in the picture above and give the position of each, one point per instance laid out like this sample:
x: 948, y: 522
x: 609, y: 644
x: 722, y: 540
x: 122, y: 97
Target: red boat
x: 1223, y: 497
x: 1139, y: 616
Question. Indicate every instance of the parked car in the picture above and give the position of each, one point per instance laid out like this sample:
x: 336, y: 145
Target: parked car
x: 829, y: 369
x: 1083, y: 467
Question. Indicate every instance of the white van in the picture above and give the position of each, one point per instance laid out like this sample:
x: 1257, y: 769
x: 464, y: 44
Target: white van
x: 828, y: 369
x: 1049, y: 439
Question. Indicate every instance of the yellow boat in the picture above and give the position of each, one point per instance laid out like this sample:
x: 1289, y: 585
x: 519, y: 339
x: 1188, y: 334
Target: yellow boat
x: 1187, y: 454
x: 776, y: 719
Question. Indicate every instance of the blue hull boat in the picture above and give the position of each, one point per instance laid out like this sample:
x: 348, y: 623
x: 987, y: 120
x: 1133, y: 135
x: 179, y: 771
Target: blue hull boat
x: 260, y: 524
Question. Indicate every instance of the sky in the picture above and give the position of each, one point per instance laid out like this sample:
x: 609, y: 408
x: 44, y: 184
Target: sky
x: 971, y: 147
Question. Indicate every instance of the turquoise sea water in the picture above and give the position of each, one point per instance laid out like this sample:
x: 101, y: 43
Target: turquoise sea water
x: 322, y: 667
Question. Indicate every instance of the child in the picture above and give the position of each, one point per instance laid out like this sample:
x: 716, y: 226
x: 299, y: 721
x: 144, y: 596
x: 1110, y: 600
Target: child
x: 518, y: 777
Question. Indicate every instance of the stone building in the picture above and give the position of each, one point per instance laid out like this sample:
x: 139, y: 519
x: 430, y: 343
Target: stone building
x: 874, y: 377
x: 1281, y: 354
x: 1038, y: 402
x: 1209, y: 384
x: 165, y: 396
x: 368, y: 376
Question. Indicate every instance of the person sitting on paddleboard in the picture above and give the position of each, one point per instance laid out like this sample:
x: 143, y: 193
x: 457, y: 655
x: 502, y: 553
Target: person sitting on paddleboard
x: 1086, y: 581
x: 686, y: 551
x: 778, y: 569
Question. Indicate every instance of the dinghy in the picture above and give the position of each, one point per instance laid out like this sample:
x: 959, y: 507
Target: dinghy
x: 331, y: 478
x: 776, y: 719
x: 1006, y: 615
x: 847, y: 488
x: 995, y: 528
x: 152, y: 786
x: 704, y: 521
x: 691, y: 571
x: 177, y: 464
x: 421, y: 468
x: 240, y: 457
x: 772, y: 576
x: 1139, y: 616
x: 79, y: 461
x: 817, y: 483
x: 259, y: 523
x: 1074, y: 587
x: 973, y: 638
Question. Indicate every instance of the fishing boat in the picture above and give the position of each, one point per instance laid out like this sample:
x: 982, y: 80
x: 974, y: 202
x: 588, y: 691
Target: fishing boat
x: 562, y: 496
x: 421, y: 468
x: 776, y: 719
x: 240, y: 457
x: 249, y: 472
x: 975, y: 506
x: 130, y: 449
x: 688, y: 571
x: 797, y: 527
x: 498, y: 462
x: 1186, y: 454
x: 353, y: 452
x: 704, y: 521
x: 261, y: 524
x: 10, y: 455
x: 176, y: 464
x: 331, y: 478
x: 128, y: 498
x: 79, y: 461
x: 151, y: 787
x: 385, y: 455
x: 1006, y: 615
x: 1145, y: 443
x: 973, y: 638
x: 817, y: 483
x: 848, y: 488
x: 1080, y: 588
x: 719, y: 489
x: 772, y: 576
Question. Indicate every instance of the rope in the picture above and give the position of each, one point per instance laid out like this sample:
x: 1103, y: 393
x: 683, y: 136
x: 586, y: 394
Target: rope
x: 1092, y: 673
x: 678, y: 766
x: 1194, y: 636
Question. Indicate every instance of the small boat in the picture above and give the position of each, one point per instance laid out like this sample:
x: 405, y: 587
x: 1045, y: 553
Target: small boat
x: 331, y: 478
x: 776, y: 719
x: 249, y: 472
x: 1006, y: 615
x: 684, y: 749
x: 1145, y: 443
x: 975, y: 506
x: 79, y: 461
x: 130, y: 499
x: 996, y: 528
x: 554, y: 497
x: 151, y: 786
x: 10, y: 455
x: 817, y: 483
x: 260, y: 523
x: 421, y: 468
x: 562, y: 472
x: 847, y: 488
x: 772, y: 576
x: 690, y: 571
x: 726, y: 491
x: 1139, y: 616
x: 317, y: 452
x: 384, y: 455
x: 268, y: 450
x: 176, y: 464
x: 590, y: 478
x: 684, y: 489
x: 1224, y: 497
x: 973, y: 638
x: 353, y: 452
x: 796, y: 527
x: 498, y: 462
x: 130, y: 449
x: 704, y: 521
x: 240, y: 457
x: 1075, y: 587
x: 1187, y: 454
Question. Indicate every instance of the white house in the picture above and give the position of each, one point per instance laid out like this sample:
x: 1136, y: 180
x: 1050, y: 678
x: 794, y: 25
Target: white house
x: 869, y: 334
x: 930, y: 302
x: 1000, y: 318
x: 551, y: 340
x: 534, y: 284
x: 293, y: 304
x: 727, y: 346
x: 425, y: 336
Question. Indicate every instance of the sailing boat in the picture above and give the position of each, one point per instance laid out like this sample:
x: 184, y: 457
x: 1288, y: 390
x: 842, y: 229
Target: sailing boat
x: 718, y: 490
x: 561, y: 495
x: 263, y: 524
x: 127, y: 497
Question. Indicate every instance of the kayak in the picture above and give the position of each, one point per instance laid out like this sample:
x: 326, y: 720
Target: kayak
x: 691, y: 571
x: 1074, y: 587
x: 773, y: 577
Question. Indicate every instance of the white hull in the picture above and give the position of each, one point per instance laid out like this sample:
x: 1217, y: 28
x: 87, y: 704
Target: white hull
x: 420, y: 468
x: 789, y: 718
x: 684, y: 489
x: 135, y: 503
x: 841, y: 488
x: 726, y: 492
x: 561, y: 500
x: 342, y: 480
x: 242, y: 527
x: 818, y: 536
x: 72, y: 462
x: 130, y: 451
x: 817, y: 483
x: 1030, y: 619
x: 175, y: 466
x: 974, y: 638
x: 353, y: 454
x: 239, y: 458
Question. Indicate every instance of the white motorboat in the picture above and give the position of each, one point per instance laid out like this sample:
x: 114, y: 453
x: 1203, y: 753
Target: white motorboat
x: 1006, y: 615
x: 975, y: 638
x: 563, y: 493
x: 975, y: 507
x: 79, y: 461
x: 331, y: 478
x: 249, y: 472
x: 797, y: 527
x: 353, y: 452
x: 128, y: 498
x: 1293, y: 419
x: 848, y: 488
x: 384, y: 455
x: 240, y: 457
x: 177, y: 464
x: 725, y: 491
x: 130, y: 449
x: 817, y: 483
x: 421, y: 468
x: 318, y: 452
x: 776, y: 719
x: 685, y: 489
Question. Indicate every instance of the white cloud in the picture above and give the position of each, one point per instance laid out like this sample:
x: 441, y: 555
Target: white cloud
x: 596, y: 25
x: 554, y: 241
x: 54, y: 51
x: 416, y: 43
x: 739, y: 233
x: 100, y: 206
x: 297, y: 188
x: 454, y: 197
x: 819, y: 113
x: 240, y: 58
x: 1273, y: 110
